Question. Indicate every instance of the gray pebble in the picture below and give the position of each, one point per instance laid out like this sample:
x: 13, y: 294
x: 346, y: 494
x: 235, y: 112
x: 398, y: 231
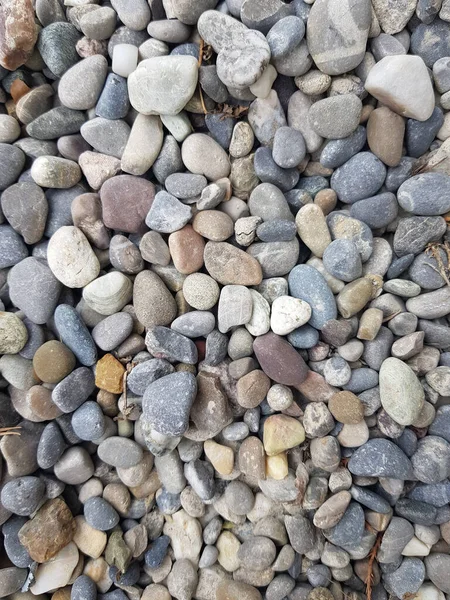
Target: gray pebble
x: 51, y: 446
x: 83, y: 588
x: 360, y: 177
x: 268, y: 171
x: 377, y: 211
x: 57, y: 122
x: 171, y: 345
x: 288, y: 147
x: 22, y: 496
x: 112, y: 331
x: 342, y: 259
x: 421, y: 134
x: 100, y: 514
x: 88, y: 421
x: 306, y: 283
x: 73, y: 390
x: 414, y: 233
x: 113, y: 102
x: 380, y: 458
x: 427, y: 194
x: 200, y: 476
x: 56, y: 44
x: 16, y: 552
x: 75, y: 335
x: 285, y: 35
x: 167, y: 214
x: 185, y: 185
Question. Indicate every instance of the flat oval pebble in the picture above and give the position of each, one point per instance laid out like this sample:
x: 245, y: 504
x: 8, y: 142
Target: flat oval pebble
x: 120, y: 452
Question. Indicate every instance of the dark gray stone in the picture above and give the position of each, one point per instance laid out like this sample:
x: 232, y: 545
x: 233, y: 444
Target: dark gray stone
x: 414, y: 233
x: 167, y: 214
x: 200, y: 476
x: 145, y: 373
x: 51, y: 446
x: 73, y: 390
x: 416, y: 512
x: 83, y: 588
x: 407, y: 579
x: 370, y: 499
x: 167, y: 403
x: 12, y: 247
x: 361, y: 380
x: 425, y: 271
x: 360, y: 177
x: 216, y: 348
x: 427, y: 194
x: 100, y: 514
x: 399, y: 266
x: 435, y: 494
x: 34, y: 289
x: 12, y: 160
x: 349, y: 530
x: 113, y: 102
x: 305, y: 337
x: 268, y: 171
x: 22, y: 496
x: 221, y: 128
x: 36, y: 337
x: 16, y: 552
x: 57, y: 122
x: 169, y: 160
x: 377, y: 211
x: 57, y: 46
x: 397, y: 175
x: 185, y: 185
x: 163, y: 342
x: 380, y: 458
x: 277, y: 230
x: 421, y: 134
x: 157, y: 551
x: 309, y: 285
x: 75, y: 335
x: 431, y: 42
x: 337, y: 152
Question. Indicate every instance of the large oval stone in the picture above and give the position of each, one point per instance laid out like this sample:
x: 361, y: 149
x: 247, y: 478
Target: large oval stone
x: 380, y: 458
x: 425, y: 194
x: 231, y: 266
x: 401, y: 393
x: 337, y: 34
x: 279, y: 360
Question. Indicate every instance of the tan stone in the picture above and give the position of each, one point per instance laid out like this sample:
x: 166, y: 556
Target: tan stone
x: 281, y: 433
x: 186, y: 248
x: 90, y: 541
x: 228, y: 545
x: 50, y: 530
x: 53, y: 361
x: 277, y: 466
x: 251, y: 458
x: 354, y: 297
x: 369, y: 324
x: 326, y: 200
x: 109, y: 374
x: 221, y: 457
x: 313, y: 229
x: 346, y: 407
x: 39, y: 399
x: 13, y: 333
x: 97, y: 570
x: 332, y: 510
x: 231, y: 266
x: 236, y: 590
x: 252, y: 388
x: 61, y: 594
x: 155, y: 591
x: 118, y: 496
x: 213, y: 225
x: 148, y: 488
x: 385, y: 133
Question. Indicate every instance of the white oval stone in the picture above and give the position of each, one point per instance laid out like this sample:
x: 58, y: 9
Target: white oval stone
x: 125, y: 57
x: 401, y: 393
x: 288, y: 313
x: 163, y: 84
x: 71, y: 258
x: 109, y: 294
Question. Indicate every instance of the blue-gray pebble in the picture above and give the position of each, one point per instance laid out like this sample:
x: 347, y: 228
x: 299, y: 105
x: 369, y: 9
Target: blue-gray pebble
x: 337, y: 152
x: 380, y: 458
x: 51, y: 446
x: 83, y: 588
x: 73, y: 390
x: 268, y: 171
x: 377, y: 211
x: 100, y: 514
x: 22, y: 496
x: 306, y: 283
x: 421, y: 134
x: 88, y: 421
x: 342, y: 259
x: 113, y: 102
x: 145, y: 373
x: 75, y: 334
x: 427, y: 194
x: 360, y: 177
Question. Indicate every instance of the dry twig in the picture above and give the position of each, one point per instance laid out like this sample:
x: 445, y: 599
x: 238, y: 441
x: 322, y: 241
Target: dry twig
x: 10, y: 430
x: 433, y: 250
x: 372, y: 556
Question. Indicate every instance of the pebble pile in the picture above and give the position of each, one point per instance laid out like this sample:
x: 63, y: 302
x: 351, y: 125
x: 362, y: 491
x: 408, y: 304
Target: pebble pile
x: 225, y: 299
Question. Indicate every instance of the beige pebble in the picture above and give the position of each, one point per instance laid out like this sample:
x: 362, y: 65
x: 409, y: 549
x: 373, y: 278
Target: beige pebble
x: 220, y: 456
x: 354, y: 297
x: 313, y: 229
x: 89, y: 541
x: 277, y: 466
x: 369, y: 324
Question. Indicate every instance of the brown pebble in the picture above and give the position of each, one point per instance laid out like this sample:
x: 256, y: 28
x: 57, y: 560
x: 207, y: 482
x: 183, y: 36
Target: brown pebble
x: 186, y: 248
x: 354, y: 296
x: 87, y: 216
x: 236, y: 590
x: 18, y: 33
x: 39, y: 399
x: 109, y: 374
x: 18, y: 89
x: 108, y: 403
x: 213, y: 225
x: 50, y: 530
x: 326, y: 200
x: 231, y: 266
x: 251, y: 458
x: 385, y: 133
x: 53, y: 361
x: 62, y: 594
x: 252, y: 388
x: 346, y: 407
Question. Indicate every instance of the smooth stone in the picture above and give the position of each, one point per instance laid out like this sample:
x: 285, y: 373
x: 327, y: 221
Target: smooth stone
x: 75, y: 335
x: 350, y: 528
x: 370, y: 460
x: 215, y: 28
x: 279, y: 360
x: 242, y: 59
x: 402, y: 402
x: 56, y: 122
x: 154, y: 304
x: 402, y: 83
x: 431, y: 305
x: 106, y: 136
x: 342, y: 259
x: 231, y: 266
x: 71, y: 258
x: 36, y: 102
x: 113, y: 101
x: 335, y: 53
x: 56, y: 44
x: 268, y: 171
x: 306, y: 283
x: 420, y: 134
x: 135, y: 14
x: 100, y: 514
x: 337, y: 152
x: 407, y: 578
x: 14, y: 334
x: 437, y: 565
x: 344, y: 227
x: 99, y: 24
x: 297, y: 117
x: 12, y: 249
x: 425, y: 194
x: 385, y: 133
x: 336, y: 117
x: 171, y: 345
x: 266, y: 116
x: 13, y: 161
x: 285, y: 35
x: 88, y: 422
x: 393, y: 17
x: 420, y: 45
x: 424, y: 271
x: 288, y: 147
x: 312, y: 229
x: 170, y: 418
x: 167, y: 214
x: 11, y: 580
x: 23, y: 495
x: 157, y: 88
x: 74, y: 389
x: 80, y: 86
x: 25, y: 207
x: 51, y: 446
x: 376, y: 211
x: 55, y: 172
x: 120, y: 452
x: 202, y: 155
x: 414, y: 233
x: 358, y: 178
x: 141, y: 194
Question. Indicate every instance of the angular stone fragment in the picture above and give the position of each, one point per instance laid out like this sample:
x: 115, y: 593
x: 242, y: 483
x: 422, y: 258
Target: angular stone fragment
x: 50, y: 530
x: 18, y: 33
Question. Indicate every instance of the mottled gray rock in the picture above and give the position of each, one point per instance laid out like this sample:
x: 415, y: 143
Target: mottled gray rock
x: 360, y: 177
x: 414, y: 233
x: 56, y: 44
x: 380, y: 458
x: 407, y: 579
x: 22, y: 496
x: 377, y: 211
x: 342, y: 259
x: 100, y: 514
x: 306, y: 283
x: 13, y: 161
x: 336, y: 117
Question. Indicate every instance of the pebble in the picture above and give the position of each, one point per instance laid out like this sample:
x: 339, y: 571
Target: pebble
x: 87, y: 78
x: 369, y: 460
x: 308, y: 284
x: 100, y: 514
x: 358, y: 178
x: 336, y: 117
x: 423, y: 194
x: 71, y: 258
x: 202, y: 155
